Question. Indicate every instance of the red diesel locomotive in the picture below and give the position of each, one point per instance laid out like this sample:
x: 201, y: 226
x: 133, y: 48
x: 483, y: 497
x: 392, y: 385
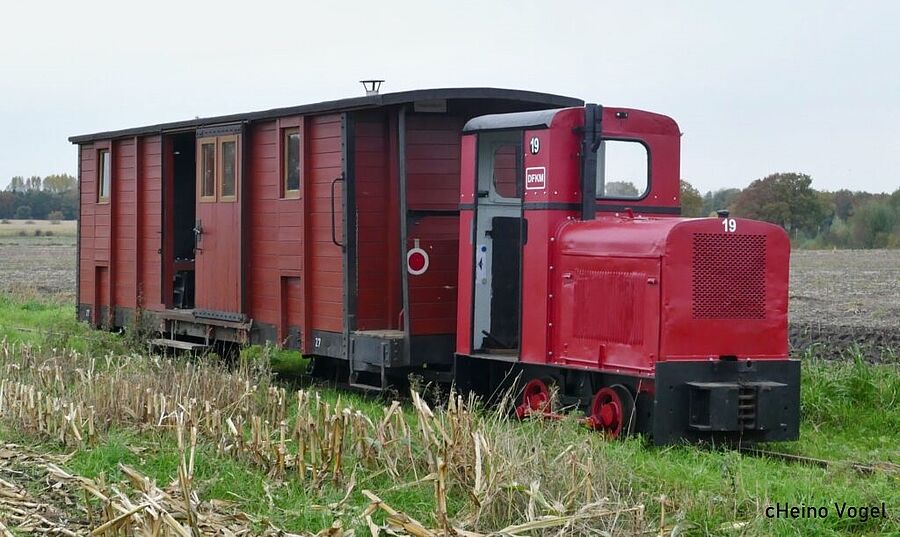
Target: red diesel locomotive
x: 670, y: 326
x: 477, y: 235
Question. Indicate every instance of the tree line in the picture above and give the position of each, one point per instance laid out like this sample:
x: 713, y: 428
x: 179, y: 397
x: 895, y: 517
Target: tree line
x: 813, y: 218
x: 54, y: 197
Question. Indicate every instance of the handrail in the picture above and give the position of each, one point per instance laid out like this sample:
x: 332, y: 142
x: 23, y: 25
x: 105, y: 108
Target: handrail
x: 333, y: 222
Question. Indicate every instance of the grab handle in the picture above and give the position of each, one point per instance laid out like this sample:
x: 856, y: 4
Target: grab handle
x: 333, y: 222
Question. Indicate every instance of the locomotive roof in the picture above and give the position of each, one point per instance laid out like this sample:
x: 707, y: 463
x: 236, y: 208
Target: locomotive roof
x: 341, y: 105
x: 515, y: 120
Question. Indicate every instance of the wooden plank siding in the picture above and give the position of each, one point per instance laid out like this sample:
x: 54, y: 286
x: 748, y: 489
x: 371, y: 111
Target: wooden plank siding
x: 122, y: 237
x: 377, y: 260
x: 277, y: 231
x: 96, y: 280
x: 122, y: 226
x: 87, y: 217
x: 325, y: 273
x: 433, y: 153
x: 150, y: 229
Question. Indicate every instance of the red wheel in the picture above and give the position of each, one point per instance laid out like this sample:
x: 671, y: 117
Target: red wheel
x: 535, y: 399
x: 612, y: 411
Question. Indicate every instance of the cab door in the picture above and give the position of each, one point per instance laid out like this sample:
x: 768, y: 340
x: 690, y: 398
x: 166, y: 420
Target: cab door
x: 218, y: 225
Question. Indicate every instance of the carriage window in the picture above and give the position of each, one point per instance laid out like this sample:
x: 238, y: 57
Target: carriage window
x: 623, y: 169
x: 505, y: 171
x: 291, y: 148
x: 103, y: 175
x: 208, y: 171
x: 229, y: 170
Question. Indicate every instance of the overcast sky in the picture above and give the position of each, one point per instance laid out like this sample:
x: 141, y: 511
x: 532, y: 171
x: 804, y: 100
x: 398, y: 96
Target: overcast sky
x: 757, y: 87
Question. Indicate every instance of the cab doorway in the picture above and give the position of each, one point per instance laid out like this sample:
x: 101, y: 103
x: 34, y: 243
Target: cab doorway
x: 500, y: 232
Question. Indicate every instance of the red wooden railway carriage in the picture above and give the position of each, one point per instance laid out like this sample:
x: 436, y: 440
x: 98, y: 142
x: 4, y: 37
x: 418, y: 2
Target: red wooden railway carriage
x: 475, y: 235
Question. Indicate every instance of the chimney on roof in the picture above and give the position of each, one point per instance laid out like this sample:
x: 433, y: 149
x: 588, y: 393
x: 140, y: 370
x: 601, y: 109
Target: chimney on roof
x: 372, y: 86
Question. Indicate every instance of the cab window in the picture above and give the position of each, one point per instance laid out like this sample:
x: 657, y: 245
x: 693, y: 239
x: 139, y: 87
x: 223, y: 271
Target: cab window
x: 504, y: 177
x: 623, y: 170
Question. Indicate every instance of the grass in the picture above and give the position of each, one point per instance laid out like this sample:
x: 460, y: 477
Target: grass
x: 281, y: 361
x: 33, y: 319
x: 849, y: 414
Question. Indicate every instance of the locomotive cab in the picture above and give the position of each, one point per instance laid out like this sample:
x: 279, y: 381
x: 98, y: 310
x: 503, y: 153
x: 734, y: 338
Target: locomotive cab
x: 576, y: 270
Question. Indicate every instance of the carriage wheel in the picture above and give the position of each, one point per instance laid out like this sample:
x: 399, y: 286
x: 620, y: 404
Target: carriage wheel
x: 612, y: 411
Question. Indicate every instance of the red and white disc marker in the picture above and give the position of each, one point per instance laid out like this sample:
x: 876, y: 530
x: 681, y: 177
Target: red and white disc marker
x: 417, y: 260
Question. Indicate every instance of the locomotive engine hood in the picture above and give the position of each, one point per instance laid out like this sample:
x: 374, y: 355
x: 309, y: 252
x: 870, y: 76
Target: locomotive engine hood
x: 722, y: 282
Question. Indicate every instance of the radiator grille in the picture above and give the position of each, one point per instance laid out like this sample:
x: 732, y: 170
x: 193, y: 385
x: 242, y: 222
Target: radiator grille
x: 616, y: 303
x: 729, y: 276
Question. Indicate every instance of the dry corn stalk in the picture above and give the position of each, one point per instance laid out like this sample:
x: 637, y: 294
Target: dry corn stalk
x: 75, y: 399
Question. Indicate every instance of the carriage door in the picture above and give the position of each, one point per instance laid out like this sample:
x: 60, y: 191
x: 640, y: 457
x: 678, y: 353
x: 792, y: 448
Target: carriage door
x: 217, y: 231
x: 499, y: 235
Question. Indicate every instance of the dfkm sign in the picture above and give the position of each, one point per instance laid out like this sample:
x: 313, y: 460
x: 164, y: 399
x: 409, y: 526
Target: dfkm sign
x: 535, y: 178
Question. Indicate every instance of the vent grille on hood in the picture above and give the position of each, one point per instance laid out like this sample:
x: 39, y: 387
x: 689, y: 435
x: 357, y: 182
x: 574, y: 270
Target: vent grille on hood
x: 729, y: 276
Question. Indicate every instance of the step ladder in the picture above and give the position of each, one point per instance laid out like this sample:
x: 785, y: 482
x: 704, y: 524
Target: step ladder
x: 354, y: 379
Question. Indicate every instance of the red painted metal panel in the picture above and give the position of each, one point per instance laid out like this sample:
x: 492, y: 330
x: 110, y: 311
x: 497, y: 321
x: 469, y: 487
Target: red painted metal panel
x: 606, y: 312
x: 559, y: 155
x: 537, y: 297
x: 560, y: 149
x: 718, y: 293
x: 466, y: 260
x: 663, y: 139
x: 725, y: 293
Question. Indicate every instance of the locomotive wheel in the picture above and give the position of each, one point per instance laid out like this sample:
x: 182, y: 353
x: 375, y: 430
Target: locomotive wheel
x: 612, y: 411
x: 535, y: 399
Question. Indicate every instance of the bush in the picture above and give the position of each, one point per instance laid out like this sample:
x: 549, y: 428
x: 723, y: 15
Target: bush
x: 4, y: 221
x: 48, y: 233
x: 38, y: 232
x: 55, y: 217
x: 29, y: 222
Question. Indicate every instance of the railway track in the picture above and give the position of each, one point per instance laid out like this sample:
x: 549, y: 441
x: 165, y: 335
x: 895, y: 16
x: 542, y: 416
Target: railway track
x: 864, y: 468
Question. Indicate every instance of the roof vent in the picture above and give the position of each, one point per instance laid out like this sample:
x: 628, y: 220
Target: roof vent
x: 372, y: 86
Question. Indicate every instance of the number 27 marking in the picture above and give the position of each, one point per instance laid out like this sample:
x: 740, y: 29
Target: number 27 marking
x: 729, y: 224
